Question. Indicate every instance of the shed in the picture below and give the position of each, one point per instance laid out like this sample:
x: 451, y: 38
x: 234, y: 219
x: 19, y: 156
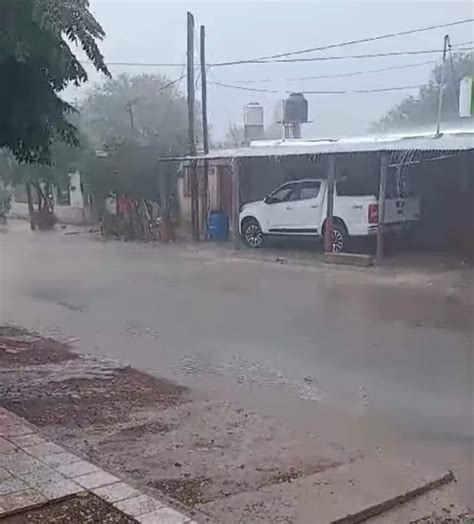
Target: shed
x: 400, y: 149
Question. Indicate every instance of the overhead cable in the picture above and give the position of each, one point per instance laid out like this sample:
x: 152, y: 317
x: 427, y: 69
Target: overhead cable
x: 350, y: 42
x: 323, y: 92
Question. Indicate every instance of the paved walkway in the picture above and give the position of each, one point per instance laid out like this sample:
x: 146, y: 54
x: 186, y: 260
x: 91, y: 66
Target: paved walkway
x: 34, y: 471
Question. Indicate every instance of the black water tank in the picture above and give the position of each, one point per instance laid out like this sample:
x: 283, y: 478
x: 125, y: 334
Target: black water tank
x: 295, y: 108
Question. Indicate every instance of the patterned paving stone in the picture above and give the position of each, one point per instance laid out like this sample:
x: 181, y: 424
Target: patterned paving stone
x: 18, y: 462
x: 26, y: 441
x: 116, y: 492
x: 20, y: 499
x: 77, y: 469
x: 34, y: 470
x: 96, y: 480
x: 140, y: 505
x: 41, y: 451
x: 11, y: 485
x: 60, y: 459
x: 13, y: 430
x: 164, y: 516
x: 4, y: 474
x: 61, y: 489
x: 6, y: 445
x: 42, y: 476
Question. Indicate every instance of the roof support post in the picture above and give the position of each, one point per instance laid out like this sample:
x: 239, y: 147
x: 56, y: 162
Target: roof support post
x: 330, y: 204
x: 193, y: 173
x: 236, y: 166
x: 382, y: 193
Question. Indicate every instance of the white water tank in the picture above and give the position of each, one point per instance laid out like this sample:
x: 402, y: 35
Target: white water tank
x: 253, y: 114
x: 253, y: 121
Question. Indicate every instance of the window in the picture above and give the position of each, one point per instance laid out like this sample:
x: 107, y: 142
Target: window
x: 309, y: 190
x: 352, y: 185
x: 285, y: 193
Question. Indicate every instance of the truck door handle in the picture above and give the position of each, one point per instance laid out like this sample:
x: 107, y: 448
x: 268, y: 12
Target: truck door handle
x: 314, y: 206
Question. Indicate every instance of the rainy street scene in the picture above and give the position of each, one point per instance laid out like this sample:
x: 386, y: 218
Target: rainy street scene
x: 236, y: 262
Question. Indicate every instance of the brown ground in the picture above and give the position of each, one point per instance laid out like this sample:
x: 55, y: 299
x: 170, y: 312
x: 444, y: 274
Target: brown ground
x: 84, y: 509
x: 446, y: 519
x: 190, y: 449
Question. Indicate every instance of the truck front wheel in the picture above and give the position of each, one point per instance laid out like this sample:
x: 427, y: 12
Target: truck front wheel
x: 252, y: 233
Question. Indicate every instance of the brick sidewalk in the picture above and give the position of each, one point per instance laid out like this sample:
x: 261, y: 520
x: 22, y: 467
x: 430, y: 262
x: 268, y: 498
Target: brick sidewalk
x: 35, y: 471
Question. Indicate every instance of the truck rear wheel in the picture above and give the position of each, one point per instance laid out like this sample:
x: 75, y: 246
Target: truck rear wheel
x: 339, y: 239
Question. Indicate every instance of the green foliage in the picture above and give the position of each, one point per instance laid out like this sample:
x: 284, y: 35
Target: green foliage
x: 5, y: 202
x: 422, y: 110
x: 36, y: 64
x: 133, y: 122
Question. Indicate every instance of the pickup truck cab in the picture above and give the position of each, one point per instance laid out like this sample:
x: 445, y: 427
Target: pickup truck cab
x: 298, y: 208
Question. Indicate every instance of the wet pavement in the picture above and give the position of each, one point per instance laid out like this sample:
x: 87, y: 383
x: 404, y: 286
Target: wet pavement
x: 363, y: 356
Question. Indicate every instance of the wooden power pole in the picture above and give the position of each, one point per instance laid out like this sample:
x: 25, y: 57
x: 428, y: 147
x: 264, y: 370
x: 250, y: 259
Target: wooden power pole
x: 205, y: 130
x: 191, y: 137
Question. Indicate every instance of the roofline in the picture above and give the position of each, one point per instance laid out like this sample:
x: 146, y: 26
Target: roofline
x: 451, y: 141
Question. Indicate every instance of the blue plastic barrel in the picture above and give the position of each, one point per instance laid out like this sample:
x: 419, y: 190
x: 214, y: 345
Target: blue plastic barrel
x: 218, y: 225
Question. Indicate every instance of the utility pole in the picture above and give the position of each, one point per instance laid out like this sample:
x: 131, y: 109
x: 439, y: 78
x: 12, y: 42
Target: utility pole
x: 328, y: 229
x: 441, y: 85
x: 130, y: 111
x: 191, y: 137
x: 382, y: 196
x: 205, y: 130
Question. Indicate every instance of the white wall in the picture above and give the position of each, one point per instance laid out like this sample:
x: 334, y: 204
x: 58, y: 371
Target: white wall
x: 65, y: 214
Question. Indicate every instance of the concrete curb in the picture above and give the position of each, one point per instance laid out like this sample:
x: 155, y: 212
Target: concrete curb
x: 392, y: 503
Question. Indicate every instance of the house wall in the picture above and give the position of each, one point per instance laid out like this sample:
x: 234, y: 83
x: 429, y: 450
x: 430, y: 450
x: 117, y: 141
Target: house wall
x: 76, y: 213
x: 65, y: 214
x: 184, y: 192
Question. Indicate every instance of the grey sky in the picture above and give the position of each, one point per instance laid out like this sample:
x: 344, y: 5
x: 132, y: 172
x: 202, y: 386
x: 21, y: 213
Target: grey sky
x: 155, y: 31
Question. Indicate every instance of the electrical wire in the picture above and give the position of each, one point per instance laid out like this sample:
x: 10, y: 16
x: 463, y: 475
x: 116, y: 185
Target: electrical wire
x: 311, y: 59
x: 348, y: 43
x: 342, y: 57
x: 242, y: 88
x: 379, y: 90
x: 338, y: 92
x: 169, y: 84
x: 340, y: 75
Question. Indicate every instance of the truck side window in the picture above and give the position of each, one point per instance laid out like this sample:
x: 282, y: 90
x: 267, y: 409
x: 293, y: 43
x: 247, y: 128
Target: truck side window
x: 309, y: 190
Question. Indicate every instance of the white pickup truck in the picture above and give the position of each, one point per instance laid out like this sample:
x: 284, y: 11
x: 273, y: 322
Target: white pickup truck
x: 298, y: 208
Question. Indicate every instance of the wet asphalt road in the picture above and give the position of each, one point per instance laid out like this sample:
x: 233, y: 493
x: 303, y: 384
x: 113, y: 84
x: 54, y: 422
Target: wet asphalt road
x: 363, y: 359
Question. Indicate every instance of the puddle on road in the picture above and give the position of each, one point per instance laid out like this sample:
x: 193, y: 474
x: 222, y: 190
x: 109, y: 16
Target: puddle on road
x: 254, y: 374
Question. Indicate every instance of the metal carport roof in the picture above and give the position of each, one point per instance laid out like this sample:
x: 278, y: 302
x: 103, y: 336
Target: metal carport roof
x: 448, y: 141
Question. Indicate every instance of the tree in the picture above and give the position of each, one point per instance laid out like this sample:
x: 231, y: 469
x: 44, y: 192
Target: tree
x: 36, y: 64
x: 422, y: 110
x: 134, y: 121
x: 41, y: 178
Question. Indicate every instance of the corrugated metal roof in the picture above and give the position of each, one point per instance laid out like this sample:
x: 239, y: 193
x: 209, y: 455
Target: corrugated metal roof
x: 452, y: 141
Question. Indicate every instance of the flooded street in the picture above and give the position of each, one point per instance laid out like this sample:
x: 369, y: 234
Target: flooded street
x: 360, y: 357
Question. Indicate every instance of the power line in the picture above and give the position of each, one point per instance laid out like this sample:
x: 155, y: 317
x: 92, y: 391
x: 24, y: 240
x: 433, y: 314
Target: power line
x: 140, y: 64
x: 340, y: 75
x: 254, y: 89
x: 342, y: 57
x: 379, y: 90
x: 311, y: 59
x: 348, y: 43
x: 169, y: 84
x: 333, y: 92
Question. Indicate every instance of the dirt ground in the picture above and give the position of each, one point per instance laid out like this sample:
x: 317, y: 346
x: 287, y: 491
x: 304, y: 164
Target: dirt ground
x: 180, y: 446
x: 445, y: 519
x: 86, y: 509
